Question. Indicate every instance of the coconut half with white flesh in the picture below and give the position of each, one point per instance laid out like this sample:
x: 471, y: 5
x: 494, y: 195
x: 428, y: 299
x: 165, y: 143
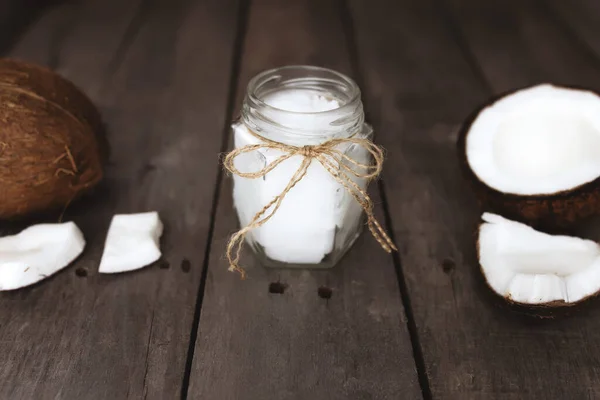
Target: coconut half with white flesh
x: 37, y: 253
x: 534, y: 155
x: 529, y: 267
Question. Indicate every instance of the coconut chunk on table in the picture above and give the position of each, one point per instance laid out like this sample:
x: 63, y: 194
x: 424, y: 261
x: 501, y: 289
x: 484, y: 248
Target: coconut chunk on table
x: 527, y: 266
x: 132, y: 242
x: 37, y: 253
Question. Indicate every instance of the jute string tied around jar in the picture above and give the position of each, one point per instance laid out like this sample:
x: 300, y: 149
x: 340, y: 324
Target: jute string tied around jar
x: 333, y: 160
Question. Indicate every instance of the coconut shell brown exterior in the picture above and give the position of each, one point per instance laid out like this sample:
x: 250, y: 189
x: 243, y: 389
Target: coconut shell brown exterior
x: 547, y: 212
x: 50, y: 151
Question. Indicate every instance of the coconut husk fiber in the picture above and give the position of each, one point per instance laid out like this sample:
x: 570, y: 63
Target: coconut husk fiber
x: 50, y: 147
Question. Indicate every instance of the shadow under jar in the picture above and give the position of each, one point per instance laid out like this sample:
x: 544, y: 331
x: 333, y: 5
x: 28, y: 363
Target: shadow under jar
x: 318, y: 220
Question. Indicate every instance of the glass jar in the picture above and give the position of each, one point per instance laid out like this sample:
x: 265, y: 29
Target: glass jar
x: 318, y: 220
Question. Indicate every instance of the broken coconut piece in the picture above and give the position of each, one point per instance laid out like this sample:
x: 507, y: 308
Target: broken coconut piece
x: 534, y: 155
x: 37, y: 253
x: 132, y: 242
x: 530, y: 267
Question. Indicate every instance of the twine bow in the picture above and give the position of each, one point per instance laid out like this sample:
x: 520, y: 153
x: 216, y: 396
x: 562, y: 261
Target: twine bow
x: 334, y: 162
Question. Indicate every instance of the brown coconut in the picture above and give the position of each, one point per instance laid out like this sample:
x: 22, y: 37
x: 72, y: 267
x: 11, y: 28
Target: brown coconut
x: 50, y: 148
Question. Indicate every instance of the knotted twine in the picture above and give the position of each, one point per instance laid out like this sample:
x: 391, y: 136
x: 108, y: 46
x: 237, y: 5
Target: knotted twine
x: 334, y: 162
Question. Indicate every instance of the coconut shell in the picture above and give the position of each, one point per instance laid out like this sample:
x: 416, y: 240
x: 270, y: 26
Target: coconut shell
x: 548, y: 310
x: 548, y: 212
x: 50, y: 148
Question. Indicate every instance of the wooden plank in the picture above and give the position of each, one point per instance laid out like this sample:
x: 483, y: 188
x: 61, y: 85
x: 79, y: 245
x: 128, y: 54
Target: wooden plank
x: 537, y: 46
x: 420, y: 85
x: 515, y: 48
x: 127, y: 336
x: 254, y: 344
x: 581, y: 18
x: 16, y: 15
x: 38, y: 43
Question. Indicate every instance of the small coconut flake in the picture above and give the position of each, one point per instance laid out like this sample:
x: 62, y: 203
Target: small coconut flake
x: 132, y: 242
x: 37, y: 253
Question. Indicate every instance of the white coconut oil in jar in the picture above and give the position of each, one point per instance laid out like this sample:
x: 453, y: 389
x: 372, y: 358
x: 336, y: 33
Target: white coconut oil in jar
x: 318, y: 220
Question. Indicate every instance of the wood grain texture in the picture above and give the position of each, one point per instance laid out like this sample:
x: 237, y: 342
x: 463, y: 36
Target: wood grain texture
x: 16, y: 15
x: 581, y: 19
x: 126, y: 336
x: 518, y: 45
x: 418, y: 87
x: 38, y: 43
x: 253, y: 344
x: 421, y: 83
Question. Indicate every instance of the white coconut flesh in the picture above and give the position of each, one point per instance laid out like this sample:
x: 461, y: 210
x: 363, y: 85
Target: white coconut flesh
x: 531, y: 267
x: 540, y: 140
x: 132, y: 242
x: 37, y: 253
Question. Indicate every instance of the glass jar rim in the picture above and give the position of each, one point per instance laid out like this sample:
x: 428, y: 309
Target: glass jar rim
x: 275, y: 73
x: 344, y: 120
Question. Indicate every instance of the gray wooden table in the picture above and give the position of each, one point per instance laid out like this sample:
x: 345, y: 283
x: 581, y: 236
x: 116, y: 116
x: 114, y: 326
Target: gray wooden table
x: 168, y: 77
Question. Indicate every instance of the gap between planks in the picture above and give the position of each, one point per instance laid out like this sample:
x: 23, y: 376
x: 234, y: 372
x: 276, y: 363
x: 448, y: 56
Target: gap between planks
x: 238, y: 46
x: 350, y: 34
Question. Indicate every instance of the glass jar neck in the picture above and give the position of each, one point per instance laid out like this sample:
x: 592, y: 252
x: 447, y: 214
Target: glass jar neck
x: 319, y: 104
